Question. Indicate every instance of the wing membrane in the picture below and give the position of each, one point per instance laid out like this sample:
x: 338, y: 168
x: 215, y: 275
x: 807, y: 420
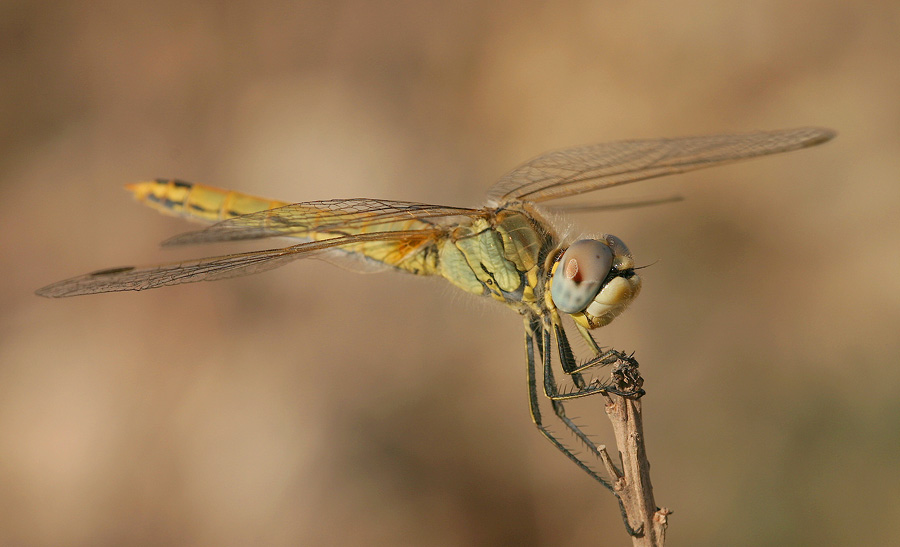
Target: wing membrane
x: 613, y: 205
x: 208, y: 269
x: 584, y: 169
x: 334, y: 215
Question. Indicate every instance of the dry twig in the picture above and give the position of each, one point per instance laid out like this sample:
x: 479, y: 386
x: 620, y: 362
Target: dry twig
x: 645, y: 521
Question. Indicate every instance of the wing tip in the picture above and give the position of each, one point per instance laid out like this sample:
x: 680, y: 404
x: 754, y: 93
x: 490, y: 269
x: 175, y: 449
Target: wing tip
x: 817, y: 135
x: 56, y: 290
x: 45, y: 292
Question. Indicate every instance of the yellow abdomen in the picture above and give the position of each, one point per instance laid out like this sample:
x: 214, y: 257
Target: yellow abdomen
x: 207, y: 204
x: 198, y: 202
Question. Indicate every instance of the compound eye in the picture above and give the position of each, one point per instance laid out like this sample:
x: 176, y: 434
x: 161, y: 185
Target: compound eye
x: 580, y: 274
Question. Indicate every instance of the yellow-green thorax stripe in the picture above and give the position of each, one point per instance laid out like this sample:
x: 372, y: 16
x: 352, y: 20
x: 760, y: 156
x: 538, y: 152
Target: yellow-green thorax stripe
x: 496, y: 256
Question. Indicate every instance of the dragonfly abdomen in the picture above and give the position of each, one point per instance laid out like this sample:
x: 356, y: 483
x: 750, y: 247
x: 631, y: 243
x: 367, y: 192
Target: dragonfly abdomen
x: 208, y: 204
x: 198, y: 202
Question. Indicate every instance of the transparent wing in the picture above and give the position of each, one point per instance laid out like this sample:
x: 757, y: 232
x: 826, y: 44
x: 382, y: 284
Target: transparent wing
x: 613, y: 205
x: 328, y: 216
x: 584, y: 169
x: 132, y: 278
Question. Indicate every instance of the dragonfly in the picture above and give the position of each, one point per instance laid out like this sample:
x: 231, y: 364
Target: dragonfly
x: 507, y: 250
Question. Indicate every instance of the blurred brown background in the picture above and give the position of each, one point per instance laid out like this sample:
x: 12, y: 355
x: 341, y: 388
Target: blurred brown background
x: 313, y: 406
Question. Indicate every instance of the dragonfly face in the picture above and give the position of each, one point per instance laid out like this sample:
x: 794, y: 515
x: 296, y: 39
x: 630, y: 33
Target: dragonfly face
x: 594, y: 281
x: 505, y: 250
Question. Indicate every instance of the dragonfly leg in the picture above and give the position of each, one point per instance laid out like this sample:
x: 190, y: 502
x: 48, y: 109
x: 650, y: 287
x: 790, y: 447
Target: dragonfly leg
x: 533, y: 331
x: 626, y: 382
x: 624, y: 373
x: 567, y: 358
x: 551, y: 390
x: 538, y: 337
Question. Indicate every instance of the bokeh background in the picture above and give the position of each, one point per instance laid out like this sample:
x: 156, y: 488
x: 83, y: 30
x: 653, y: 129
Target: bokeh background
x: 314, y: 406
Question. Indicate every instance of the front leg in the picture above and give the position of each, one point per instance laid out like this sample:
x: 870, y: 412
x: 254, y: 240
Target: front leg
x: 624, y: 374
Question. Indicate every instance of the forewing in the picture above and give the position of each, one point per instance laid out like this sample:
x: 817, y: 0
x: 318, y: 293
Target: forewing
x: 132, y: 278
x: 584, y: 169
x: 613, y: 205
x: 332, y: 215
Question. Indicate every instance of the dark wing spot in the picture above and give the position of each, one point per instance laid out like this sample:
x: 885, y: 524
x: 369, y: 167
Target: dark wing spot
x: 111, y: 271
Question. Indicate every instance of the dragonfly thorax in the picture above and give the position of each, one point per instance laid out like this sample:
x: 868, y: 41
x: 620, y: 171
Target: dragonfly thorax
x: 594, y: 280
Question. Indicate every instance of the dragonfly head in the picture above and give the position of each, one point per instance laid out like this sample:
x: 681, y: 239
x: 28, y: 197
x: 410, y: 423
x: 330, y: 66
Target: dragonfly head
x: 594, y: 280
